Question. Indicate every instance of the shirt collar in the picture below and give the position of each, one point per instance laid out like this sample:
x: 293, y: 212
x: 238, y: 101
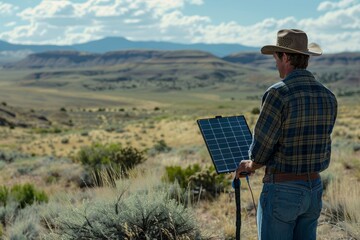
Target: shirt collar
x: 297, y: 73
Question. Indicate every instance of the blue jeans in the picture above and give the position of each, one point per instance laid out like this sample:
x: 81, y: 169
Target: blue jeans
x: 289, y: 210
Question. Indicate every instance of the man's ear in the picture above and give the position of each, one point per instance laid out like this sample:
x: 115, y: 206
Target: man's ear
x: 285, y: 57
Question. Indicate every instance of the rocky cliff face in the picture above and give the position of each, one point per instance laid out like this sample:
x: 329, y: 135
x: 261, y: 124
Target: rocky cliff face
x: 65, y: 59
x: 71, y: 59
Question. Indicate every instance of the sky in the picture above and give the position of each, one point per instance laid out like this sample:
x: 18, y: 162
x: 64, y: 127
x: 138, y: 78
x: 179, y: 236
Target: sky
x: 335, y: 24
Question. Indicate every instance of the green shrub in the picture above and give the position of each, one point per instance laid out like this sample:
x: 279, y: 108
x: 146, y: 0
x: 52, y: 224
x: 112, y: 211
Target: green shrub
x: 84, y: 134
x: 98, y: 155
x: 10, y: 156
x: 47, y: 130
x: 161, y: 146
x: 182, y: 176
x: 255, y: 110
x: 204, y: 183
x: 208, y: 184
x: 4, y: 194
x: 26, y: 195
x: 2, y: 164
x: 142, y: 215
x: 110, y: 161
x: 21, y: 195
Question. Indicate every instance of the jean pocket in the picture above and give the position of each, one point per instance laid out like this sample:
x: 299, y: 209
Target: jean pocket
x: 287, y: 203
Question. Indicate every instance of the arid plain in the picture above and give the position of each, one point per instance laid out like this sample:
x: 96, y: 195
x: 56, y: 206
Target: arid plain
x: 51, y: 107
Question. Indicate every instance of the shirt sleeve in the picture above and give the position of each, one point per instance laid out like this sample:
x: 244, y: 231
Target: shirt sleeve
x: 268, y: 128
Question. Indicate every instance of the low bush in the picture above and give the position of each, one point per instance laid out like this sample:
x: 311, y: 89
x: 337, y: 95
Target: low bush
x: 159, y: 147
x: 182, y: 176
x: 4, y: 194
x: 11, y: 156
x: 141, y: 215
x: 22, y: 195
x: 47, y: 130
x: 110, y: 161
x: 255, y: 111
x: 17, y: 211
x: 22, y: 223
x: 26, y: 225
x: 203, y: 183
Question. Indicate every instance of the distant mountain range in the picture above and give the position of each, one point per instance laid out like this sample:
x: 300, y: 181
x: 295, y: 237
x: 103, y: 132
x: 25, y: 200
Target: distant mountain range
x: 118, y: 43
x: 175, y: 70
x: 74, y: 59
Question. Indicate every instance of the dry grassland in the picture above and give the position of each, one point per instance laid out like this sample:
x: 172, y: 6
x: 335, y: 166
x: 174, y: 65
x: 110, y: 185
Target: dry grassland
x: 143, y: 129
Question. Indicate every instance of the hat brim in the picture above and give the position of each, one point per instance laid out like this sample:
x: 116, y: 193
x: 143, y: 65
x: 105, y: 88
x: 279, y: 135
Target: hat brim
x: 313, y: 50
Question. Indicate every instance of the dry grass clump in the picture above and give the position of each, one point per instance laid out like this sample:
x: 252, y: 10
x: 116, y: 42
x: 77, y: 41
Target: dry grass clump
x: 137, y: 206
x: 342, y: 206
x: 141, y: 215
x: 218, y: 217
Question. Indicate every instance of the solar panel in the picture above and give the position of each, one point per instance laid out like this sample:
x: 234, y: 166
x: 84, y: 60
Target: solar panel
x: 227, y: 139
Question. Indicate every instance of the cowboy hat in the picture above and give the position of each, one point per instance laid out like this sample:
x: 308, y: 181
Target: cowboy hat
x: 292, y: 41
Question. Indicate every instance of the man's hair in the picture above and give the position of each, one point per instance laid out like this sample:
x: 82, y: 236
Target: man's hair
x: 299, y: 61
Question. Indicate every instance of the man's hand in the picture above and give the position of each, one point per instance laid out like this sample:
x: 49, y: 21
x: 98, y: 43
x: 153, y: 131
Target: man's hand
x: 246, y: 166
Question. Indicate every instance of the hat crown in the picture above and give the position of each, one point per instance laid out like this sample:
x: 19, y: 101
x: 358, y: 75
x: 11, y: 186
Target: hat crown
x: 293, y: 39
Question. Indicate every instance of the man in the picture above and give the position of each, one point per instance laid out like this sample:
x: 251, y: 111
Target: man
x: 292, y: 140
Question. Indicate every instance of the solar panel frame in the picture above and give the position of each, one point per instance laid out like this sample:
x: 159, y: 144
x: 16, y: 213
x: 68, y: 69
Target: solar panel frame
x: 227, y: 140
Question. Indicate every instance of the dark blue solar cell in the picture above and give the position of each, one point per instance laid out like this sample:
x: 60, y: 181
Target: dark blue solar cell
x: 233, y: 144
x: 228, y: 140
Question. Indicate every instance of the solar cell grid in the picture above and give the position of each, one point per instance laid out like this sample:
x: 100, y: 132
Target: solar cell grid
x: 228, y: 140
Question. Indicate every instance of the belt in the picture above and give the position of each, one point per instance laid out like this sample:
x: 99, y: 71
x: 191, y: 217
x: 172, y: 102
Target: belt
x: 283, y: 177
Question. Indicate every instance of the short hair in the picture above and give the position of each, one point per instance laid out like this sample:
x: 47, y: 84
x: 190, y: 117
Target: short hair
x: 299, y: 61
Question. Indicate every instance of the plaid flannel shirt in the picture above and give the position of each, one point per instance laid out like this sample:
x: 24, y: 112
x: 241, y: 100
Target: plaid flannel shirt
x: 293, y: 131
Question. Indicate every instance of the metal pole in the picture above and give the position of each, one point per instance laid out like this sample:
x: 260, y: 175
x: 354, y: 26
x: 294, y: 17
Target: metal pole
x: 236, y: 185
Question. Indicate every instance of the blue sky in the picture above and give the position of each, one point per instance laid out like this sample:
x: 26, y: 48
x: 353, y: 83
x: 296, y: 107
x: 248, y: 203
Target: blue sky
x: 334, y: 24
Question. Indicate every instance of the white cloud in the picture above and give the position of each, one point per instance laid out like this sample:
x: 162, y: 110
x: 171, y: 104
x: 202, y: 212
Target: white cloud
x: 196, y: 2
x: 10, y: 24
x: 133, y: 20
x: 136, y: 19
x: 177, y: 26
x: 21, y: 32
x: 327, y: 5
x: 337, y: 29
x: 177, y: 19
x: 49, y: 9
x: 341, y: 19
x: 68, y: 22
x: 139, y: 13
x: 7, y: 9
